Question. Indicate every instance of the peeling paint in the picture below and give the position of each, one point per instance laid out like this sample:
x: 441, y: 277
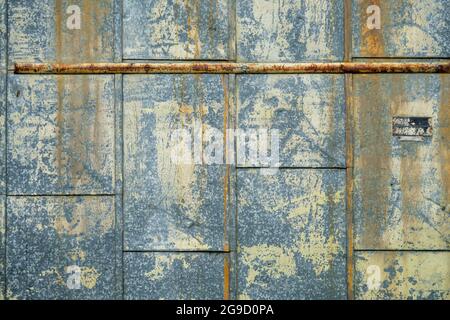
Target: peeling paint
x: 404, y: 275
x: 39, y: 258
x: 285, y: 256
x: 177, y: 29
x: 184, y: 276
x: 401, y: 188
x: 169, y: 205
x: 409, y: 28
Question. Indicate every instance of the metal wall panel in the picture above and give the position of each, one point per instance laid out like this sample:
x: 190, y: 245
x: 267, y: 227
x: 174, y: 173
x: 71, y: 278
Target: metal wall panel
x: 408, y: 28
x: 308, y: 111
x: 177, y: 29
x: 167, y: 205
x: 61, y: 134
x: 288, y: 31
x: 171, y: 275
x: 401, y: 187
x: 39, y: 31
x: 402, y: 275
x: 291, y: 234
x: 61, y: 247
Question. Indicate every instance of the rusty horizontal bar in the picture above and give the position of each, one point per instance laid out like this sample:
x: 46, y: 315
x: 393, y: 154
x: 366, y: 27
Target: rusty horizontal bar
x: 232, y: 67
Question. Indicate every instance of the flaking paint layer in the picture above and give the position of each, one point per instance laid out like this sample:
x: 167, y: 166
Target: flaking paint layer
x: 49, y: 237
x: 409, y: 28
x: 170, y: 205
x: 401, y: 189
x: 291, y: 234
x: 403, y: 275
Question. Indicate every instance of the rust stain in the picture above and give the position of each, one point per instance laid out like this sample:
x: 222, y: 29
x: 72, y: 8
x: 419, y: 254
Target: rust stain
x: 444, y: 132
x: 372, y: 40
x: 349, y: 181
x: 232, y: 68
x: 225, y: 190
x: 374, y: 160
x: 226, y: 278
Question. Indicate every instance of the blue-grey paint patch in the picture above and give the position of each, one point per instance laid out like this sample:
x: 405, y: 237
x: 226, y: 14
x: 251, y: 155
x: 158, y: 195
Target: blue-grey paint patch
x: 289, y: 31
x: 291, y: 234
x: 61, y: 134
x: 308, y: 111
x: 61, y: 247
x: 402, y: 275
x: 2, y: 248
x: 38, y: 31
x: 409, y: 28
x: 401, y: 188
x: 175, y: 29
x: 175, y: 276
x: 172, y: 206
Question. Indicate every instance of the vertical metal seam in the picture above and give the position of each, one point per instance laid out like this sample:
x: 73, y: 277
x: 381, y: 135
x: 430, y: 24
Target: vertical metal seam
x: 349, y: 146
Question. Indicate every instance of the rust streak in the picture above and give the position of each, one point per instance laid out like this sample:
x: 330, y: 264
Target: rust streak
x: 232, y: 68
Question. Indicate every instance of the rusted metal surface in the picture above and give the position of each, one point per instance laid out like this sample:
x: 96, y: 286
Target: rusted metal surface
x: 291, y: 234
x: 61, y: 248
x: 38, y: 31
x: 407, y: 28
x: 232, y: 67
x: 402, y: 275
x: 162, y: 275
x: 177, y: 29
x: 354, y: 175
x: 61, y: 134
x: 401, y: 194
x: 169, y: 205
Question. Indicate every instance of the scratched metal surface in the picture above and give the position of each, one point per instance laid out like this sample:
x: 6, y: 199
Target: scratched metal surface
x: 291, y: 234
x: 38, y: 31
x: 61, y: 134
x: 308, y: 111
x: 403, y: 275
x: 48, y: 236
x: 177, y: 29
x: 161, y: 275
x: 170, y: 206
x: 409, y: 28
x: 401, y: 188
x: 288, y: 31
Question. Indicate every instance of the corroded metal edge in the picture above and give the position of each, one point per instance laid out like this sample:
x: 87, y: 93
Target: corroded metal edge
x: 231, y: 67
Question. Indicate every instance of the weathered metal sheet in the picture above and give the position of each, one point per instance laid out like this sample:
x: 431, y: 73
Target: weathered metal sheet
x: 291, y: 234
x: 402, y: 275
x: 170, y: 275
x: 177, y: 29
x: 401, y: 187
x: 61, y: 247
x: 61, y: 134
x: 2, y: 248
x: 61, y: 30
x: 307, y: 110
x: 401, y: 28
x: 171, y: 205
x: 288, y: 31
